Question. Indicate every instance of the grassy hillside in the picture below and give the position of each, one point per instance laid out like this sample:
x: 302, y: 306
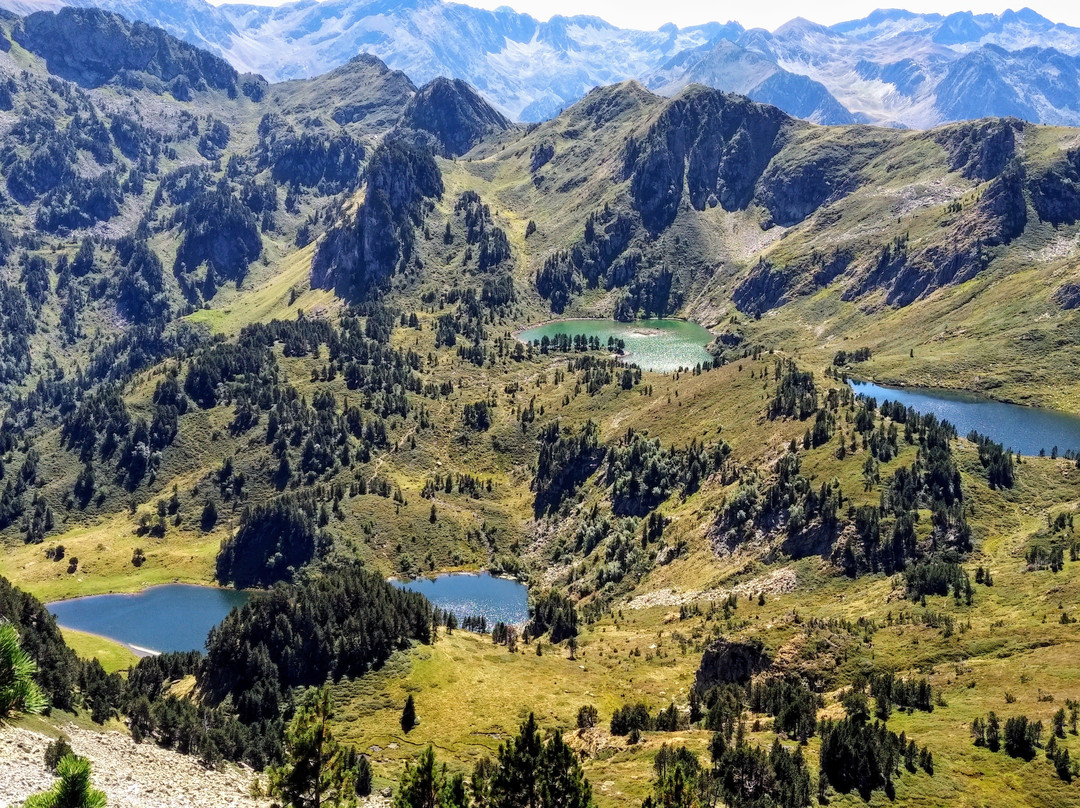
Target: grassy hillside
x: 288, y: 307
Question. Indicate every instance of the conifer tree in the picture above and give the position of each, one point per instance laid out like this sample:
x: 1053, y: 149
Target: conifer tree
x: 72, y: 790
x: 408, y: 715
x: 19, y: 693
x: 318, y: 771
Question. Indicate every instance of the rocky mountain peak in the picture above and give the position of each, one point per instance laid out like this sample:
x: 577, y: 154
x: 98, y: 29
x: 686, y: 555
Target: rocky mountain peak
x: 454, y: 113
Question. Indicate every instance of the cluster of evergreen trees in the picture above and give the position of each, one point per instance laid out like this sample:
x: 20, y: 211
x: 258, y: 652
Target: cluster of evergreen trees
x: 642, y: 474
x: 339, y: 623
x: 633, y: 719
x: 842, y: 358
x: 566, y: 458
x: 492, y: 246
x: 275, y: 540
x: 219, y: 230
x: 329, y: 163
x: 17, y: 325
x: 552, y: 611
x: 528, y: 770
x: 857, y: 755
x: 741, y: 776
x: 937, y: 575
x: 1020, y: 737
x: 998, y: 463
x: 578, y: 343
x: 796, y: 393
x: 791, y: 703
x: 885, y: 536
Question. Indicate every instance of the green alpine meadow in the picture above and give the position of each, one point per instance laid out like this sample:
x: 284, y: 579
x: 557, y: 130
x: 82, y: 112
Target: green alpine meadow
x: 370, y: 440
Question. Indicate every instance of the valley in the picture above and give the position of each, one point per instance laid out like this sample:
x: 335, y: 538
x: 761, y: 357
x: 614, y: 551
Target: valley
x: 291, y: 337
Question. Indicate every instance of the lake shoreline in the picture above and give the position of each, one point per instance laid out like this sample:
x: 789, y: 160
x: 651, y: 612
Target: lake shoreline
x: 136, y: 592
x: 516, y: 333
x: 137, y: 650
x: 1025, y: 429
x: 159, y: 619
x: 965, y: 391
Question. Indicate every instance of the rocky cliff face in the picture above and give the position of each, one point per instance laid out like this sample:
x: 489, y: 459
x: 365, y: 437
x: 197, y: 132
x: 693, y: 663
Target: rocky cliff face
x: 718, y: 145
x: 92, y: 47
x: 980, y: 150
x: 359, y: 257
x: 453, y: 114
x: 726, y: 661
x: 1055, y: 191
x: 792, y: 190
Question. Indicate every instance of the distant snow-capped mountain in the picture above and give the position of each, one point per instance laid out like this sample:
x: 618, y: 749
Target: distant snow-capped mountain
x: 893, y: 67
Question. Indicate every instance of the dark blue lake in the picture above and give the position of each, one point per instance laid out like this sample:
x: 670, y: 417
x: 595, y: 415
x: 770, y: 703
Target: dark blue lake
x: 174, y: 617
x: 1023, y: 429
x: 474, y: 594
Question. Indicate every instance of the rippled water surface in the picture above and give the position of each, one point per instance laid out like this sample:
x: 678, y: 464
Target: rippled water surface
x: 475, y: 594
x: 660, y: 345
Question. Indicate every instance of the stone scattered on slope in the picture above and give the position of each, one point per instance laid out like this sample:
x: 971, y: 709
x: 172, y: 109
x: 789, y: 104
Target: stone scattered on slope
x: 131, y: 775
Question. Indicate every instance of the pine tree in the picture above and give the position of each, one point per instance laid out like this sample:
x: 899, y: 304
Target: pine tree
x: 424, y: 785
x: 72, y: 790
x: 408, y: 715
x: 993, y: 732
x: 562, y: 782
x: 318, y: 771
x: 19, y: 693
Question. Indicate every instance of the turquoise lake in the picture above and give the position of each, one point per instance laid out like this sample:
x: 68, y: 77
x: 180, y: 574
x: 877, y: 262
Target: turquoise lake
x: 174, y: 617
x: 469, y: 594
x: 663, y: 346
x: 1023, y: 429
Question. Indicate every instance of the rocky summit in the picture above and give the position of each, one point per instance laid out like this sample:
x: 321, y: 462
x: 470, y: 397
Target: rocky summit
x: 421, y: 406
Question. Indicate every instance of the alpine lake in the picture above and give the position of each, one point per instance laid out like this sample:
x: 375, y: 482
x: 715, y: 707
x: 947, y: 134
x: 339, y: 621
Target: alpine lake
x: 1027, y: 430
x: 661, y: 345
x: 179, y: 617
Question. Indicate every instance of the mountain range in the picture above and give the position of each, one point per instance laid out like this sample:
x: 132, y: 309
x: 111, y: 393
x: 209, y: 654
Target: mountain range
x: 894, y: 67
x: 270, y: 335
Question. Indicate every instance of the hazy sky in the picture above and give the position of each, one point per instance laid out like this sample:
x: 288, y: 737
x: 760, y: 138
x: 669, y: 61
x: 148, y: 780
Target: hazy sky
x: 769, y: 14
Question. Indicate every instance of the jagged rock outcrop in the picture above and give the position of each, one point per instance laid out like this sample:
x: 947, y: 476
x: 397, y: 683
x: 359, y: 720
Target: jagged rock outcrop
x: 541, y: 155
x: 1001, y: 212
x: 716, y: 144
x: 454, y: 114
x: 980, y: 150
x: 1055, y: 192
x: 92, y: 47
x: 1068, y: 296
x: 729, y: 661
x: 358, y: 257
